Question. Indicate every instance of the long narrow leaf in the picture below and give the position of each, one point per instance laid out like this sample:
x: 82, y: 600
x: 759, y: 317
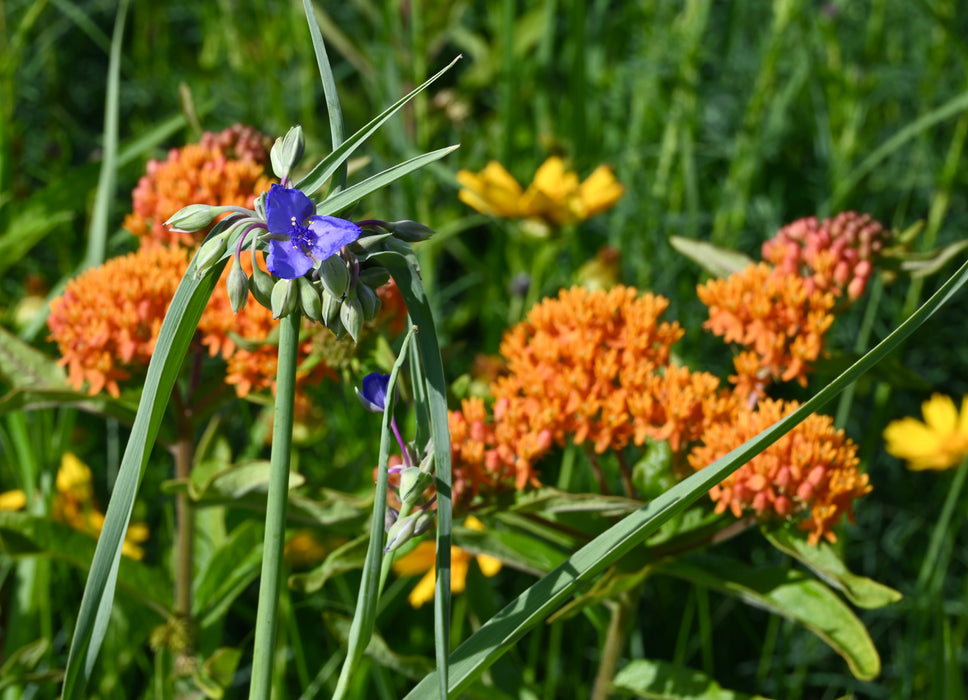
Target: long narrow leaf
x: 352, y: 195
x: 98, y: 234
x: 333, y: 109
x: 174, y: 338
x: 325, y: 169
x: 361, y: 629
x: 408, y: 281
x: 496, y: 636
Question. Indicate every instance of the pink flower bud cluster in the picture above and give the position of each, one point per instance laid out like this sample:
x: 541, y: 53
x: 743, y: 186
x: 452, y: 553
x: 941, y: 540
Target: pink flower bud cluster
x: 835, y: 255
x: 240, y: 142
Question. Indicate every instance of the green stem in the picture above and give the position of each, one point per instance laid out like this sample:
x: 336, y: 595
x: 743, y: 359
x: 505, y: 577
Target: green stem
x: 932, y: 569
x: 622, y: 609
x: 266, y: 618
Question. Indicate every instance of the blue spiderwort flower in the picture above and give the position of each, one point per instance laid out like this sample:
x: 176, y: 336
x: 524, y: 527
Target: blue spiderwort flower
x: 374, y: 393
x: 300, y: 240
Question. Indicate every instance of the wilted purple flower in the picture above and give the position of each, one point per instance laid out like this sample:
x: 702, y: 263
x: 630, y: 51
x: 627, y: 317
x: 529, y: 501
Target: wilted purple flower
x: 374, y: 393
x: 301, y: 239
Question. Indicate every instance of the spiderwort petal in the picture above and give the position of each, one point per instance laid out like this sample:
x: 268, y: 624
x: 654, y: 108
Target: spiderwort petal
x: 374, y: 393
x: 301, y: 239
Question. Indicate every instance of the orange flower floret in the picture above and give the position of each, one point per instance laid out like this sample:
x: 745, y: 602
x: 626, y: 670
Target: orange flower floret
x: 572, y: 364
x: 773, y: 314
x: 194, y: 174
x: 678, y: 405
x: 835, y: 255
x: 106, y: 322
x: 471, y: 440
x: 810, y: 472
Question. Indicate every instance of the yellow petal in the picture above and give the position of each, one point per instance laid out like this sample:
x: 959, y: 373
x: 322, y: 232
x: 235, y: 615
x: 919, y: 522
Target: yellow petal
x: 74, y: 478
x: 940, y: 413
x: 13, y: 500
x: 489, y: 565
x: 417, y: 561
x: 423, y: 592
x: 459, y: 561
x: 909, y: 439
x: 472, y: 523
x: 600, y: 191
x: 493, y: 191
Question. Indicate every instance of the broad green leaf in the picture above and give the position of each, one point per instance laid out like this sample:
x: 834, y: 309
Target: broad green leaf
x: 620, y: 578
x: 664, y: 680
x: 348, y: 557
x: 823, y: 560
x: 331, y: 163
x: 233, y: 566
x: 24, y: 535
x: 551, y: 500
x: 174, y: 338
x: 926, y: 264
x: 719, y: 262
x: 18, y: 667
x: 515, y: 549
x: 503, y: 630
x: 793, y: 595
x: 38, y: 381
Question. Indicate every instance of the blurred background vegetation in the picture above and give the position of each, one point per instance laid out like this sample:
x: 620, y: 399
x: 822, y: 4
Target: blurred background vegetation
x: 723, y: 121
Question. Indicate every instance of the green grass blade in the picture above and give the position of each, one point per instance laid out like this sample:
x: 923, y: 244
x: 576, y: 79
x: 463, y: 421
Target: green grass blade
x: 411, y: 287
x: 952, y: 107
x: 176, y: 334
x: 329, y: 165
x: 352, y: 195
x: 361, y: 629
x: 98, y: 234
x: 333, y: 109
x: 496, y: 636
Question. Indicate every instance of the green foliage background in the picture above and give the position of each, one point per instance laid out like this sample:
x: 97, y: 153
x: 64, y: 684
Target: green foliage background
x: 723, y: 121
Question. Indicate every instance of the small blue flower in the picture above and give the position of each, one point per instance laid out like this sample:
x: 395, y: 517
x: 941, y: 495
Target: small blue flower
x: 374, y: 394
x: 301, y: 239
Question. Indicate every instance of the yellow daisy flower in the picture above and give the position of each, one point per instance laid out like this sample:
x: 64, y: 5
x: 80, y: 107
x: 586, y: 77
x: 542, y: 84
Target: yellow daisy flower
x: 422, y: 560
x: 940, y: 442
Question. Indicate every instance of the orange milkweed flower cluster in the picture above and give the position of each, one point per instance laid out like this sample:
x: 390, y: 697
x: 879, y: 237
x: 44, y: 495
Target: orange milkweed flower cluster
x: 227, y: 168
x: 107, y: 320
x: 775, y: 316
x: 812, y: 470
x: 834, y: 255
x: 555, y: 196
x: 590, y: 367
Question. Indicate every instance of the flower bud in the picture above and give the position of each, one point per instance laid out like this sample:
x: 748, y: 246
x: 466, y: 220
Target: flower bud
x: 400, y: 533
x: 369, y: 301
x: 410, y: 231
x: 351, y: 316
x: 261, y: 284
x: 237, y: 286
x: 209, y: 253
x: 413, y: 482
x: 310, y: 300
x: 286, y: 152
x: 284, y: 297
x: 330, y: 308
x: 335, y: 275
x: 194, y: 217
